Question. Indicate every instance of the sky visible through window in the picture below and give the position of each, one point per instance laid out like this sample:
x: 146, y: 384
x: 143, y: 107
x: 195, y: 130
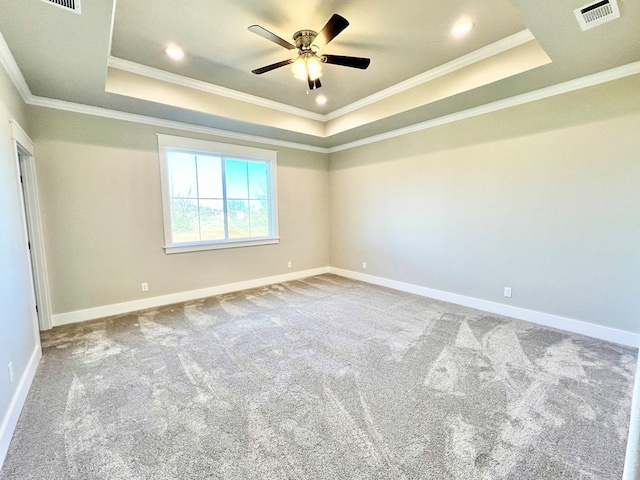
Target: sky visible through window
x: 200, y: 210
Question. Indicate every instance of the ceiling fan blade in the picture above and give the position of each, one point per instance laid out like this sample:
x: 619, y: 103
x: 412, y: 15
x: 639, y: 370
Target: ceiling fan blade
x: 273, y: 66
x: 264, y: 33
x: 334, y: 26
x: 314, y: 84
x: 354, y: 62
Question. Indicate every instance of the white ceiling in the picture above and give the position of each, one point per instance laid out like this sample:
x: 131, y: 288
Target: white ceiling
x: 111, y: 56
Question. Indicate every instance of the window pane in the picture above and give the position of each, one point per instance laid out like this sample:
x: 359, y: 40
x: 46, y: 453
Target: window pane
x: 258, y: 183
x: 237, y: 182
x: 182, y: 174
x: 238, y: 211
x: 209, y: 177
x: 184, y: 220
x: 216, y: 195
x: 211, y: 220
x: 259, y: 216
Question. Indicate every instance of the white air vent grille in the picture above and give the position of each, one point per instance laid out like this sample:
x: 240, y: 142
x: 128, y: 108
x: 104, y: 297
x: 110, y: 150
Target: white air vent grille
x: 597, y: 13
x: 71, y: 5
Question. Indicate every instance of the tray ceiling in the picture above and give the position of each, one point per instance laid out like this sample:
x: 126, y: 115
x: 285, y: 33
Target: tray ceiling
x: 111, y: 56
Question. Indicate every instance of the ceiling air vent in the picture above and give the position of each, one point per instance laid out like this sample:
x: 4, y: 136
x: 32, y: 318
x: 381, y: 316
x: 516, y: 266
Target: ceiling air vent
x: 597, y: 13
x: 71, y: 5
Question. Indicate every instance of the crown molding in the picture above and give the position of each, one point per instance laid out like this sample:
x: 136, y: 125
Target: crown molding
x: 160, y: 122
x: 565, y: 87
x: 183, y: 81
x: 15, y: 74
x: 483, y: 53
x: 111, y: 27
x: 12, y: 69
x: 558, y: 89
x: 10, y: 65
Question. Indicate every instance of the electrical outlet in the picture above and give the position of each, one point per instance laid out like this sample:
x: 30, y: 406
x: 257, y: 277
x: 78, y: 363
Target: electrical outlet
x: 144, y: 287
x: 289, y: 264
x: 364, y: 265
x: 507, y: 292
x: 10, y: 366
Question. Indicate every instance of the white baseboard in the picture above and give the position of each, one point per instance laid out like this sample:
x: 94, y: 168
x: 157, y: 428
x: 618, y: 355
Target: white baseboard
x: 569, y: 324
x: 17, y: 402
x: 126, y: 307
x: 632, y: 461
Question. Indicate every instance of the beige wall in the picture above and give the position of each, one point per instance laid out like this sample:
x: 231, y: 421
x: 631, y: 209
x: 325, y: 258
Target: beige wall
x: 17, y: 330
x: 99, y: 187
x: 543, y: 198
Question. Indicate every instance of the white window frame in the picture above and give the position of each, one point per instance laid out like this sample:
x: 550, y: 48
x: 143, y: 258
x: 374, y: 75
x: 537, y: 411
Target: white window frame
x: 192, y: 145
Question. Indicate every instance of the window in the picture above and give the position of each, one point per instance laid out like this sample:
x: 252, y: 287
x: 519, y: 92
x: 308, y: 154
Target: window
x: 216, y: 195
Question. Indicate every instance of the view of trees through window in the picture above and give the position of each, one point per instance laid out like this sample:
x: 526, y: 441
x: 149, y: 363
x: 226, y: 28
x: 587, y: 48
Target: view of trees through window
x: 217, y: 198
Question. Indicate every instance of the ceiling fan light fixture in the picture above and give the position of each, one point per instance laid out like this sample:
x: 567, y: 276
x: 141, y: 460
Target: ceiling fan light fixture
x: 314, y: 68
x: 299, y: 69
x: 307, y: 67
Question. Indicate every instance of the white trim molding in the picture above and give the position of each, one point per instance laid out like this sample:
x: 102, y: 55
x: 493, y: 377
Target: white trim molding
x: 566, y: 87
x: 568, y: 324
x: 9, y: 63
x: 163, y: 123
x: 20, y: 136
x: 563, y: 323
x: 142, y: 304
x: 483, y: 53
x: 7, y: 60
x: 24, y: 152
x: 164, y: 76
x: 170, y: 144
x: 220, y: 245
x: 10, y: 421
x: 552, y: 91
x: 632, y: 461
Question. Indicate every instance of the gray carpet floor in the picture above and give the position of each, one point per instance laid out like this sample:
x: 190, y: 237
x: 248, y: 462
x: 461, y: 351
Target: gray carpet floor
x: 322, y: 378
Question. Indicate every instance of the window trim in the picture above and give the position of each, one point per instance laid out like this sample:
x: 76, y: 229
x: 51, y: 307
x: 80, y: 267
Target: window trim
x: 170, y: 142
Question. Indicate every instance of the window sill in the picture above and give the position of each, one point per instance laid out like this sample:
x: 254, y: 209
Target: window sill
x: 196, y: 247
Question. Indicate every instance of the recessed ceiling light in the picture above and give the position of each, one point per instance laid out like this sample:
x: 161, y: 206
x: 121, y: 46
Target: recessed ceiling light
x: 461, y: 28
x: 321, y: 99
x: 174, y: 52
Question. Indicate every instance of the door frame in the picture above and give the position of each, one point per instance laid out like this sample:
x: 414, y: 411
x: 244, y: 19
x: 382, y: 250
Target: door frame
x: 25, y: 161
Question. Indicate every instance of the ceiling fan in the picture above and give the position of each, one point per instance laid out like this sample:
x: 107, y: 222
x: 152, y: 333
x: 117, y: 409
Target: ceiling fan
x: 307, y: 66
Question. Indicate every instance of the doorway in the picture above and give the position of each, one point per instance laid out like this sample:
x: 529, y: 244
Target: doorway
x: 27, y: 170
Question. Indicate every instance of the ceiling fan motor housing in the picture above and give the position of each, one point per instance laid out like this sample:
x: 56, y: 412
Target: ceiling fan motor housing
x: 304, y: 39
